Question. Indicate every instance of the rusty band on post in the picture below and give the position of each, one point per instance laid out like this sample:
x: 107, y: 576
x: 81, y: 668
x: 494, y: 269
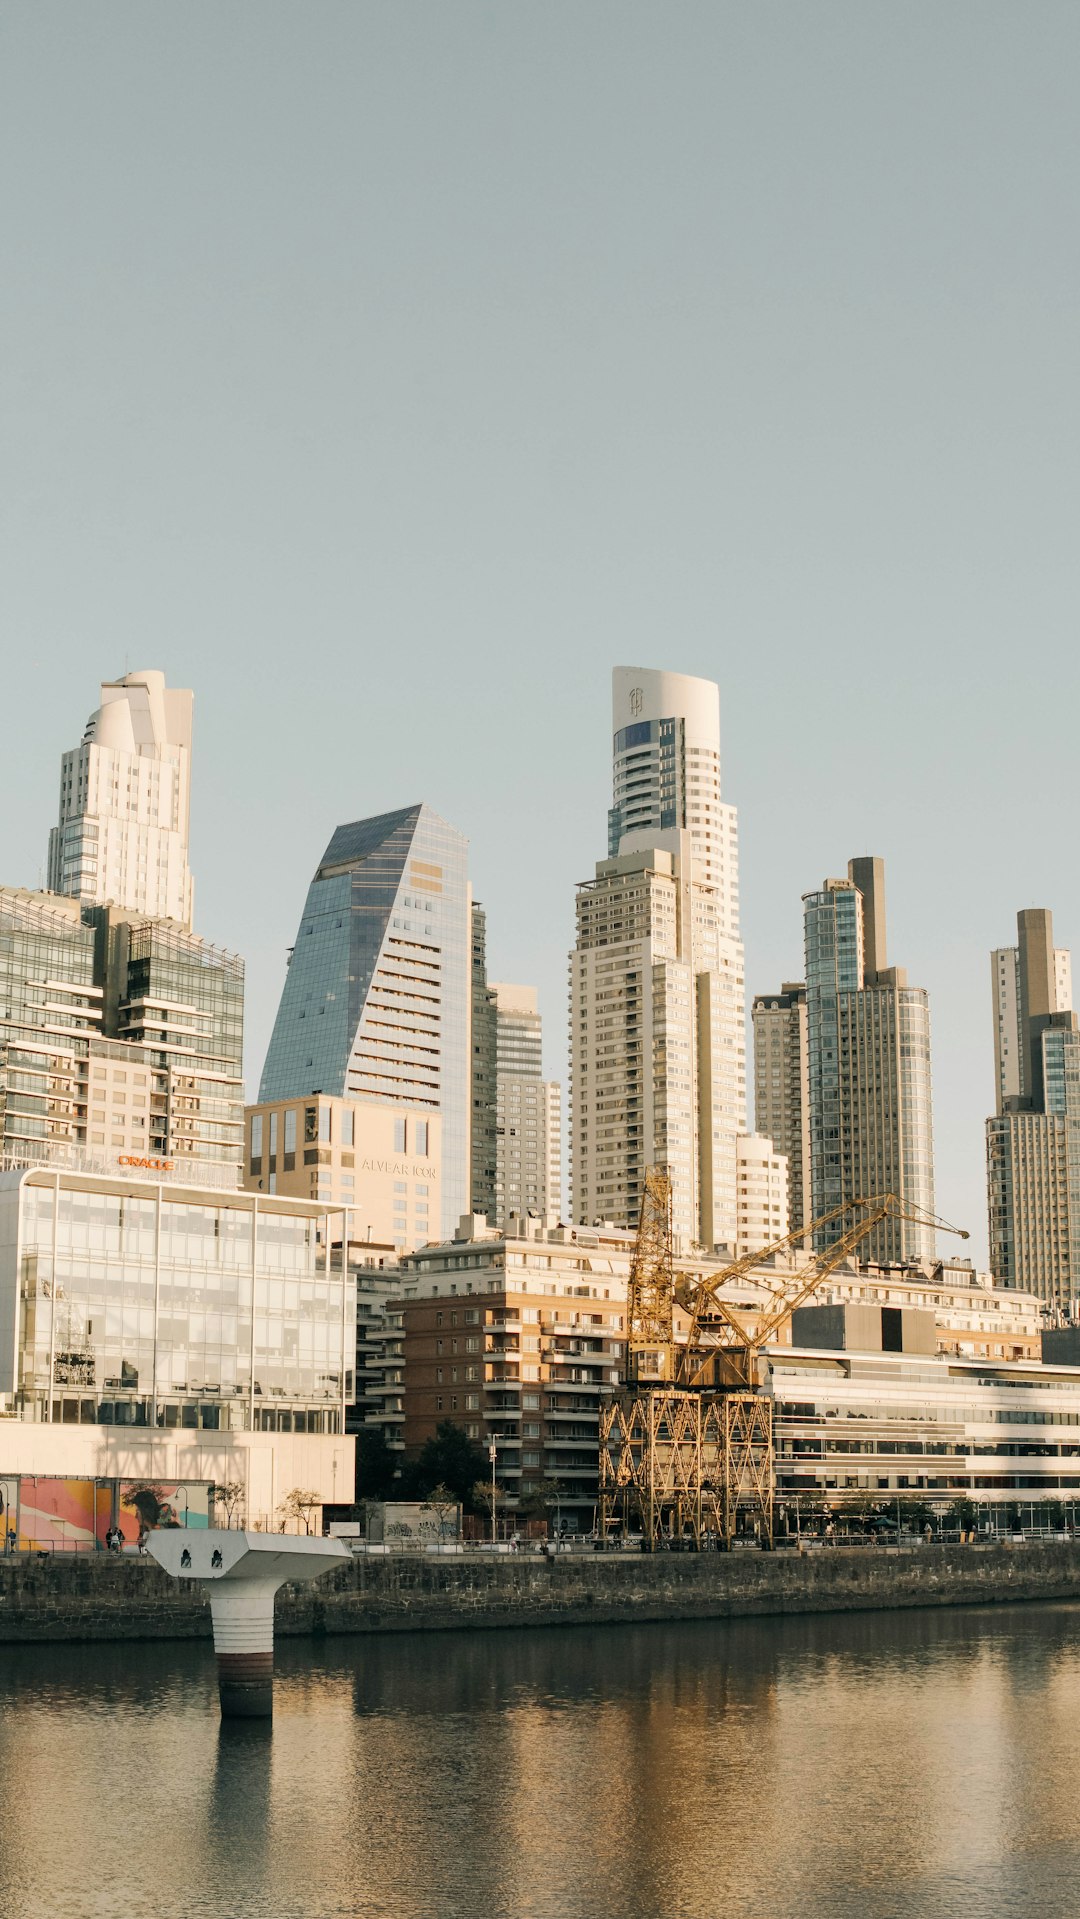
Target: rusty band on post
x: 246, y: 1684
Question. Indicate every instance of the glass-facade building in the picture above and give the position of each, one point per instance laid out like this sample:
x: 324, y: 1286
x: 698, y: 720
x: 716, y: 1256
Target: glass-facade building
x: 184, y: 1002
x: 376, y: 998
x: 50, y: 1010
x: 118, y: 1037
x: 133, y: 1303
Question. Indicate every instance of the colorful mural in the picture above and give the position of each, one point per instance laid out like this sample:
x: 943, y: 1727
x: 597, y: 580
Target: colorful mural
x: 73, y: 1515
x: 146, y: 1505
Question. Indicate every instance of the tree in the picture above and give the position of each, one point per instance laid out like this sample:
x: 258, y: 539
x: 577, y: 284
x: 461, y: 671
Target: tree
x: 535, y: 1500
x: 442, y: 1503
x: 229, y: 1495
x: 449, y: 1459
x: 299, y: 1505
x: 375, y: 1464
x: 487, y: 1498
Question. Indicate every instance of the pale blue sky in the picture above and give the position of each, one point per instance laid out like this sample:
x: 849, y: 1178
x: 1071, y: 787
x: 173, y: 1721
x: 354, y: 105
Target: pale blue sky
x: 388, y: 373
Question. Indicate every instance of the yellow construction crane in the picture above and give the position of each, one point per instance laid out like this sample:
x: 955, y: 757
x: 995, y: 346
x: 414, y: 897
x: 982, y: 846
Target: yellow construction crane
x: 720, y: 1349
x: 686, y: 1445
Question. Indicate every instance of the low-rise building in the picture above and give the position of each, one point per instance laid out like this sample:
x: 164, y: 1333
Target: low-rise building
x: 857, y: 1430
x: 169, y: 1330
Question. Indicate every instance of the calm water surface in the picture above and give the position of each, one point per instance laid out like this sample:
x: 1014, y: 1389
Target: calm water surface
x: 859, y: 1768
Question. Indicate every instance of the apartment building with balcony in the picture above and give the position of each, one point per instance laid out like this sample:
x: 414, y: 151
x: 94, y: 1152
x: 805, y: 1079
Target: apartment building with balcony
x: 517, y: 1336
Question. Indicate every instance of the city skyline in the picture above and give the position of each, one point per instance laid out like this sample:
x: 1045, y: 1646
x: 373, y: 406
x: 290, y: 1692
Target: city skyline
x: 687, y: 387
x: 257, y: 1035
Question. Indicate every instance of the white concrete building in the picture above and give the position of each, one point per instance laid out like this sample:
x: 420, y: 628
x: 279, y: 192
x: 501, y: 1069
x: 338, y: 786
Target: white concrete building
x: 125, y: 792
x: 658, y: 1048
x: 761, y: 1193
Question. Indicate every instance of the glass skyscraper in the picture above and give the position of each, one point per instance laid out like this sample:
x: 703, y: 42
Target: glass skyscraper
x: 376, y: 999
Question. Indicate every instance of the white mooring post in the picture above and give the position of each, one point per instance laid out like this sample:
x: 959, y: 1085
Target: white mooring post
x: 242, y: 1572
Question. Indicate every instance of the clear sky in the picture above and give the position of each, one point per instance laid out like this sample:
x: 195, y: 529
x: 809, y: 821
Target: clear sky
x: 387, y: 373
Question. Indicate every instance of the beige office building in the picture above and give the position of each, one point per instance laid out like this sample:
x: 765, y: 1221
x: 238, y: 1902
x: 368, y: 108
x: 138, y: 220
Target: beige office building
x: 379, y: 1162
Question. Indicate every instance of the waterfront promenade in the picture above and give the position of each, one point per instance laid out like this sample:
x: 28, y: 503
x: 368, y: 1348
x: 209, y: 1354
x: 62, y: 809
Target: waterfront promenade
x: 59, y: 1597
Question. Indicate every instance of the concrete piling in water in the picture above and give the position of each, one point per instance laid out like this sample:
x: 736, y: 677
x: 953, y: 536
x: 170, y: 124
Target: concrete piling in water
x: 241, y: 1572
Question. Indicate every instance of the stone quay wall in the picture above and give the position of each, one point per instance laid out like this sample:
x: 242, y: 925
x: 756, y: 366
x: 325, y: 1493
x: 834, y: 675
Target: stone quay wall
x: 60, y: 1597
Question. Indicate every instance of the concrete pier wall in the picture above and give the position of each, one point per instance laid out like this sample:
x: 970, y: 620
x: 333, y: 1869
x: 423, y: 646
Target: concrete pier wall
x: 69, y: 1598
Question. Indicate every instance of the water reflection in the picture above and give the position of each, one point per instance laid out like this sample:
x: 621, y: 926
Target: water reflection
x: 865, y: 1767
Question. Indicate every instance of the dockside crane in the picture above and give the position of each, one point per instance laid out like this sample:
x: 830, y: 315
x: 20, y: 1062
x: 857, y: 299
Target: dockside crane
x: 686, y: 1444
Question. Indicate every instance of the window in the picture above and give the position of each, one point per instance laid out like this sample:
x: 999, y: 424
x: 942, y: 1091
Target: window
x: 273, y: 1134
x: 399, y: 1136
x: 311, y: 1122
x: 401, y: 1186
x: 324, y: 1124
x: 420, y: 1138
x: 290, y: 1130
x: 256, y: 1135
x: 348, y: 1126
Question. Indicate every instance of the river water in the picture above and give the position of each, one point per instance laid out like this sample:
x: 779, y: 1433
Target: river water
x: 858, y: 1767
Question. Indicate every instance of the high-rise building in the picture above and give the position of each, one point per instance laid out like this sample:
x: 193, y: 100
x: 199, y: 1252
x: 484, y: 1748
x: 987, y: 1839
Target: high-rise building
x: 1033, y: 1140
x: 782, y: 1088
x: 868, y: 1050
x: 1008, y: 1028
x: 122, y: 836
x: 482, y: 1044
x: 516, y: 1113
x: 121, y: 1038
x: 658, y: 1053
x: 528, y: 1113
x: 376, y: 1002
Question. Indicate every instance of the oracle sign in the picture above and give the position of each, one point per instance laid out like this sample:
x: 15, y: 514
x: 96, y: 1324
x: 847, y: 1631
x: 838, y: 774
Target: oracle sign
x: 148, y: 1165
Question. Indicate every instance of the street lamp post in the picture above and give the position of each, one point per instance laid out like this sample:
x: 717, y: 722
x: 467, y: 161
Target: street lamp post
x: 494, y: 1495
